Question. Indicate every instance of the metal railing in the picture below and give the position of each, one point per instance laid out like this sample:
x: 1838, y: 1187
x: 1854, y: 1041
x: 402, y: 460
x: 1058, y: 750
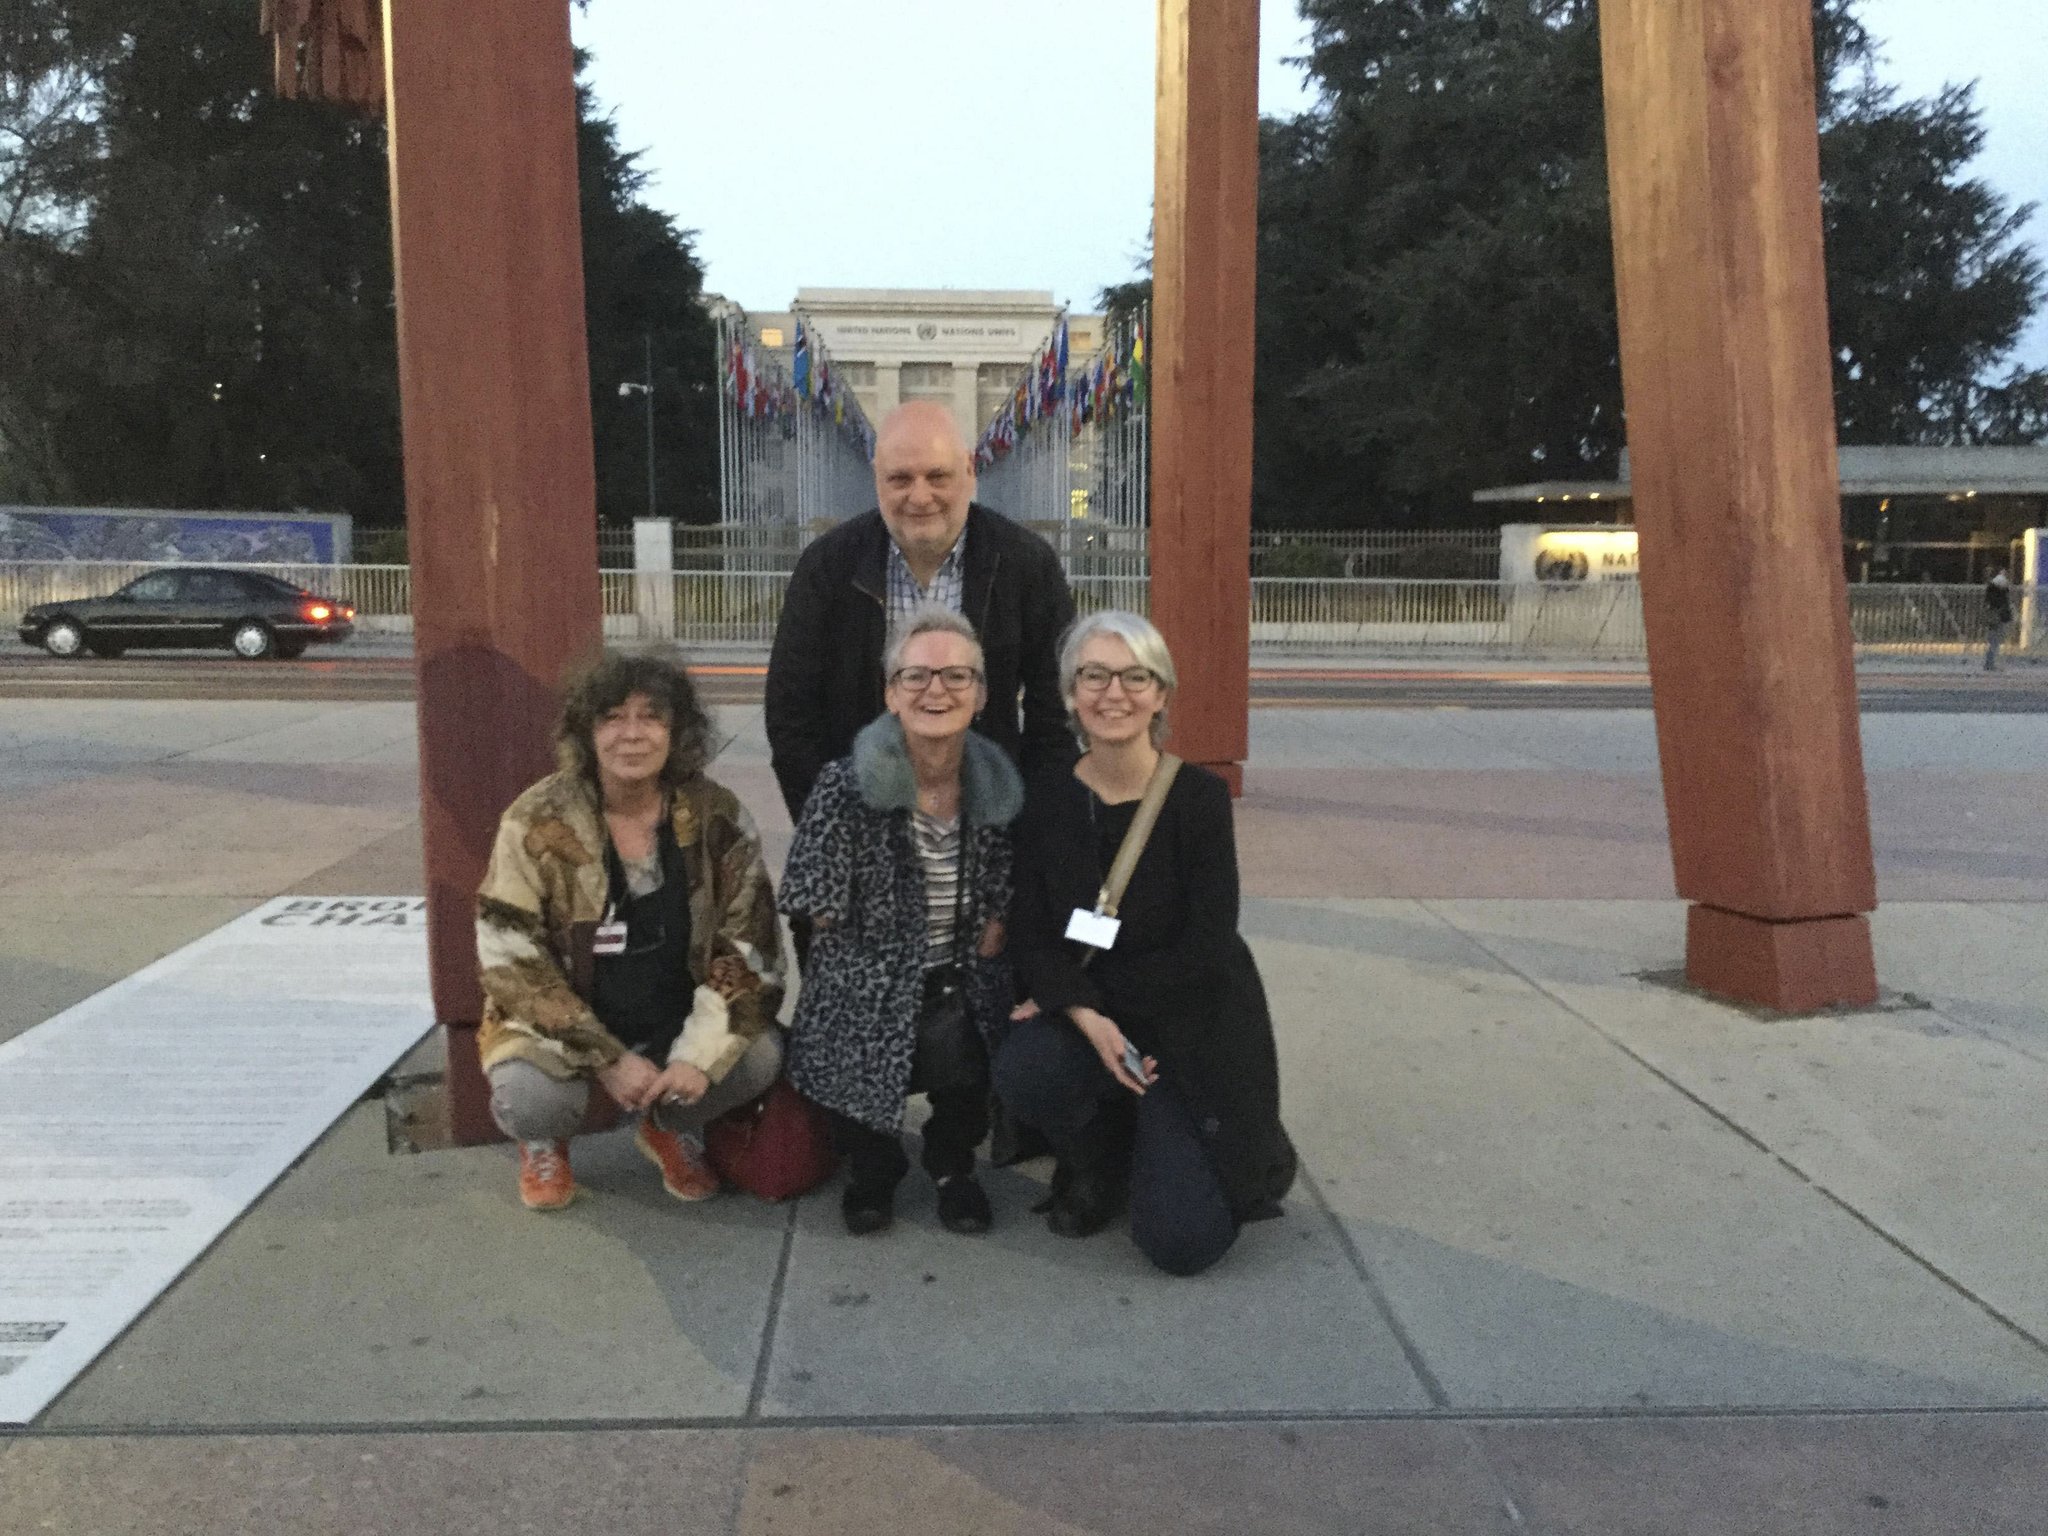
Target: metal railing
x: 1591, y: 620
x: 1386, y: 554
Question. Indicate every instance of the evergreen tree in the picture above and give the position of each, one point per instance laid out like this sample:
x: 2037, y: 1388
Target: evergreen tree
x: 1436, y: 286
x: 201, y: 312
x: 643, y: 285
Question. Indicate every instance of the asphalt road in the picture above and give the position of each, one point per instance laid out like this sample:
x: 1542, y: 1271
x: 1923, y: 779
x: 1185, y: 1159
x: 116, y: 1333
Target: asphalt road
x: 388, y: 676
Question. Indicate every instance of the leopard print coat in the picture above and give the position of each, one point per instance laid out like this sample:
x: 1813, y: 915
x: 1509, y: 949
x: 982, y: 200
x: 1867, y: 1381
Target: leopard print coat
x: 853, y: 870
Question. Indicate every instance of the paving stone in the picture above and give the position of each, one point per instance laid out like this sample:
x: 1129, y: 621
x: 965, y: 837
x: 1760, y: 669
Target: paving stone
x: 920, y: 1321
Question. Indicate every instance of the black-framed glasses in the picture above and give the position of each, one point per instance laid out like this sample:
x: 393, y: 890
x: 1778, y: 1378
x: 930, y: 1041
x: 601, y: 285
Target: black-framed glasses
x: 955, y: 679
x: 1094, y: 678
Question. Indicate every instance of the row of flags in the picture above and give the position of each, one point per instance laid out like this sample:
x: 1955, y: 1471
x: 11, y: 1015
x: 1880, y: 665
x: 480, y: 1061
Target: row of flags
x: 1112, y: 386
x: 759, y: 391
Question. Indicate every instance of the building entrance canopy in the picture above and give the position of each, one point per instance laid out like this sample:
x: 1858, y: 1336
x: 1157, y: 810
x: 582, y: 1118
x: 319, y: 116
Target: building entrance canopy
x: 1867, y: 471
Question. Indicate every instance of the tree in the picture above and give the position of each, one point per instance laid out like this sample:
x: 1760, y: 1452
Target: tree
x: 49, y: 70
x: 1929, y: 285
x: 209, y: 320
x: 1436, y: 289
x: 642, y: 282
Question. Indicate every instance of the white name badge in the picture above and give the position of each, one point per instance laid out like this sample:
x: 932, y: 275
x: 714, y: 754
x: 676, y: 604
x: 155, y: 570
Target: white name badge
x: 1093, y: 929
x: 610, y: 939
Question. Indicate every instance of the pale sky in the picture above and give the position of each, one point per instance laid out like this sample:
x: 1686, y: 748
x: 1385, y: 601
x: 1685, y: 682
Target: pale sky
x: 965, y: 144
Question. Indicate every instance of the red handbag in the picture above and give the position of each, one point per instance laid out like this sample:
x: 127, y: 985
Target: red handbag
x: 776, y: 1148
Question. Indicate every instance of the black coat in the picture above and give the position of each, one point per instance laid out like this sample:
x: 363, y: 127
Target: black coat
x: 1180, y: 981
x: 825, y: 672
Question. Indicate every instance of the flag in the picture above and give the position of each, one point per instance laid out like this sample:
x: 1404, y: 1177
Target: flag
x: 802, y: 366
x: 1138, y: 363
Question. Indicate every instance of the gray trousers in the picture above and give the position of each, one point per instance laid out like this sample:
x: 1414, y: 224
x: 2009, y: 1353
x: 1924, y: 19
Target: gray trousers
x: 1994, y: 638
x: 531, y: 1106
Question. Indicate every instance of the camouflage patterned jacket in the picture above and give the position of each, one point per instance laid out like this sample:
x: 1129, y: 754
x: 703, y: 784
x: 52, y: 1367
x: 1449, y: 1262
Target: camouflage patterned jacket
x: 544, y: 894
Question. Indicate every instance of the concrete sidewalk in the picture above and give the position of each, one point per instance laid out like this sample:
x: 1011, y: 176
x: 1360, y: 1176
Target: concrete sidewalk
x: 1574, y: 1250
x: 1268, y: 656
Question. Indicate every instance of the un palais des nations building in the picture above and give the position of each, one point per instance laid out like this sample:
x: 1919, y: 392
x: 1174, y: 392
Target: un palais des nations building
x: 962, y: 347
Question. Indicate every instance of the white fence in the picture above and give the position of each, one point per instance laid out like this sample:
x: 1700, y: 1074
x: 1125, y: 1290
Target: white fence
x: 1601, y: 620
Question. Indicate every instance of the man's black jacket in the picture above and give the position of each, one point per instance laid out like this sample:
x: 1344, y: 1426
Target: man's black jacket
x: 825, y: 673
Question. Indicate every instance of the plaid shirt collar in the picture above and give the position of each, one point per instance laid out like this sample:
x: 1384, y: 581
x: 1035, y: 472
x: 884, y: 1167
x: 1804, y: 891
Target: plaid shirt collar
x: 948, y: 588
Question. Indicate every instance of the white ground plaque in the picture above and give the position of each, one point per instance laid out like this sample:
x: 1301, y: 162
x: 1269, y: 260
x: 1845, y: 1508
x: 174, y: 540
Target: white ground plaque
x: 136, y: 1126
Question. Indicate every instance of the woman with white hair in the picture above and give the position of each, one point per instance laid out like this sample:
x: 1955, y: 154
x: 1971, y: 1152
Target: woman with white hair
x: 901, y: 863
x: 1144, y: 1051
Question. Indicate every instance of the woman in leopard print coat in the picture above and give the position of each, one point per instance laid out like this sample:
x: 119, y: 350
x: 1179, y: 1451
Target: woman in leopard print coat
x: 902, y: 993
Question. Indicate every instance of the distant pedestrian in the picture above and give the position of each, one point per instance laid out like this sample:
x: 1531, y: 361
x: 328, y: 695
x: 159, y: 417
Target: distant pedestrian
x: 1998, y: 616
x: 626, y: 935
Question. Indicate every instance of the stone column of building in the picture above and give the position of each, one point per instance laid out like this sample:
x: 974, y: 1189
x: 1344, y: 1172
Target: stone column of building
x: 1714, y: 169
x: 888, y: 390
x: 495, y: 407
x: 1205, y: 245
x: 966, y: 401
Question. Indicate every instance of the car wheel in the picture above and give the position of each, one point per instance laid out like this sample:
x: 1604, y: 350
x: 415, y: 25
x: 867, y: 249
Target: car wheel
x: 252, y: 641
x: 64, y: 638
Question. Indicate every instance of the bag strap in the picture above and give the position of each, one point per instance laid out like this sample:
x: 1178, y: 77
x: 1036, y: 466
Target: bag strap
x: 1133, y: 845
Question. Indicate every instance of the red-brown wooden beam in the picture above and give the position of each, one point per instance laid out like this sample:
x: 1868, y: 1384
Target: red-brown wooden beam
x: 499, y: 486
x: 1204, y: 264
x: 1713, y: 161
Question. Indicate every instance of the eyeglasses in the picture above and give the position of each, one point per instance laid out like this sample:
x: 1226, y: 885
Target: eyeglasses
x: 1094, y: 679
x: 917, y: 679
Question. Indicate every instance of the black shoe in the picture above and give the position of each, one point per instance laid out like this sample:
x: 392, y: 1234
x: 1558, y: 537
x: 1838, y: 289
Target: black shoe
x: 963, y: 1207
x: 1083, y: 1202
x: 868, y: 1208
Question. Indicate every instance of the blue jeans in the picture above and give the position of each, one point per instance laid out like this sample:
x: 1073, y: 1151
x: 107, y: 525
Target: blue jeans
x: 1048, y: 1075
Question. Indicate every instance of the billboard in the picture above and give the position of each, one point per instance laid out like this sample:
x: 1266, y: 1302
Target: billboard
x: 134, y: 534
x: 1530, y: 552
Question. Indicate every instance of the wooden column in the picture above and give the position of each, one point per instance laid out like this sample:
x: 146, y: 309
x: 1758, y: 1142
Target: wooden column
x: 499, y: 486
x: 1714, y: 165
x: 1204, y: 261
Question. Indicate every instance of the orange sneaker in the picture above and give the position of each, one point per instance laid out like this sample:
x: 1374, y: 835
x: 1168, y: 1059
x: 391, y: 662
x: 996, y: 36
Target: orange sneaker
x: 545, y: 1182
x: 684, y: 1171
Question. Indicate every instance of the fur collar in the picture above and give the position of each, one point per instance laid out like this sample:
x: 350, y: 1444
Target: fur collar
x: 991, y: 793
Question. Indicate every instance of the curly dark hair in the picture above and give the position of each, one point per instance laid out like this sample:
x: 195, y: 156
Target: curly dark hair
x: 602, y: 684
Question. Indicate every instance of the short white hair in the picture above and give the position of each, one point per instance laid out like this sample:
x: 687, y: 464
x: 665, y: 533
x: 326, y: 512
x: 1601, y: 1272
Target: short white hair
x: 1147, y: 647
x: 928, y: 619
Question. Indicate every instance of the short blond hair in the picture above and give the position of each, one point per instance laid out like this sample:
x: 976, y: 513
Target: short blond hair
x: 1148, y: 650
x: 928, y: 619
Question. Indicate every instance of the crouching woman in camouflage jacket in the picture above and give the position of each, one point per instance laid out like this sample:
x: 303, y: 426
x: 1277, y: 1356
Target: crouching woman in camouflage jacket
x: 626, y: 934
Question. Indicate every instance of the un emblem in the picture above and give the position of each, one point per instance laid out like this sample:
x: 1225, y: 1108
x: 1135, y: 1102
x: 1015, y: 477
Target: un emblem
x: 927, y: 332
x: 1562, y: 565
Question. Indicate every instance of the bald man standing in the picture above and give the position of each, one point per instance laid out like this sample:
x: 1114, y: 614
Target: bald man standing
x: 927, y: 541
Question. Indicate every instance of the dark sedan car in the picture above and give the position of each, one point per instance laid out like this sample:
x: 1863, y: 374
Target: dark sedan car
x: 246, y: 612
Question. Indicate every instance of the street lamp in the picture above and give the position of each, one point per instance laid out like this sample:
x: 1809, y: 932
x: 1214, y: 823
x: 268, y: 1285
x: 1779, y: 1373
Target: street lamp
x: 646, y: 391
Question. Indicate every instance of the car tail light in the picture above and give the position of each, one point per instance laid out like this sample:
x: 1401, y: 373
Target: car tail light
x: 318, y: 612
x: 347, y: 612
